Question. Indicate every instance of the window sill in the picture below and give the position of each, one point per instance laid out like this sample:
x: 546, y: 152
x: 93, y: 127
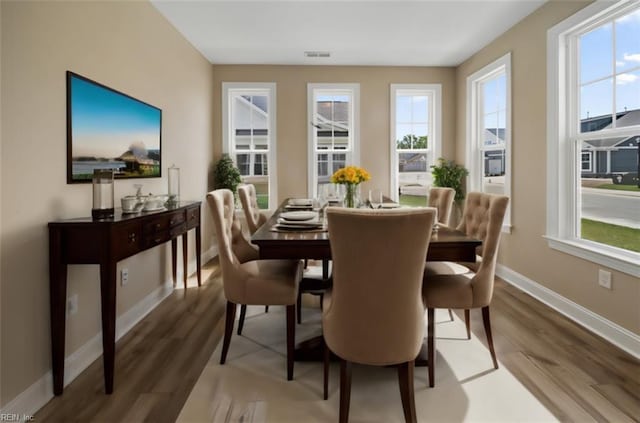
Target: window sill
x: 620, y: 262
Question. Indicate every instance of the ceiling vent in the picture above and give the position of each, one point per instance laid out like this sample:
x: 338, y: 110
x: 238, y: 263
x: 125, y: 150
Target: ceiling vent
x: 317, y: 54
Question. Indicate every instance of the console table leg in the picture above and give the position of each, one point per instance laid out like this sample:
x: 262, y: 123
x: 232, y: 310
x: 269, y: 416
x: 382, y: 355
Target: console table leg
x: 184, y: 258
x: 198, y: 258
x: 174, y: 260
x: 58, y: 301
x: 108, y: 294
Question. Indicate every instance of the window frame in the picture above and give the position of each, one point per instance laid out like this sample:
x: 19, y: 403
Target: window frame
x: 433, y: 92
x: 353, y: 154
x: 252, y: 88
x: 563, y: 200
x: 475, y: 148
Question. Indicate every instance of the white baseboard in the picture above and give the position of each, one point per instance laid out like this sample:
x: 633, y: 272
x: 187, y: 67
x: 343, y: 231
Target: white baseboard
x: 191, y: 265
x: 616, y: 334
x: 38, y: 394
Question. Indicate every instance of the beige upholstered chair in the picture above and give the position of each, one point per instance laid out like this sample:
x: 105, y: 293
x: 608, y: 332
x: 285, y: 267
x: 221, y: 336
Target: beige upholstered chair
x: 442, y: 200
x: 482, y: 219
x: 253, y: 282
x: 374, y: 312
x: 249, y: 200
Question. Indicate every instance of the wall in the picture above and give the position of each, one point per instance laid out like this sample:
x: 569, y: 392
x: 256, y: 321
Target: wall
x: 130, y: 47
x: 292, y: 123
x: 569, y: 276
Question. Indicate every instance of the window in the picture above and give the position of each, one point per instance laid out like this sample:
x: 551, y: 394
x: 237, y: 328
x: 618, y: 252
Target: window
x: 249, y: 118
x: 333, y: 131
x: 489, y: 131
x: 415, y: 140
x: 594, y: 135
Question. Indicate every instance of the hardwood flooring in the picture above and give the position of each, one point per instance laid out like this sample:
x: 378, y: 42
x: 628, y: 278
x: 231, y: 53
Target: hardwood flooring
x: 577, y: 375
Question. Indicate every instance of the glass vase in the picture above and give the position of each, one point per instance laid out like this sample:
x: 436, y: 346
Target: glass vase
x: 351, y: 196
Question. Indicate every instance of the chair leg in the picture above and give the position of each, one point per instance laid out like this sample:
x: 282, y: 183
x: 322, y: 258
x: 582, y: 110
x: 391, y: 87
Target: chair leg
x: 450, y: 315
x: 243, y: 313
x: 405, y: 381
x: 467, y: 321
x: 321, y: 301
x: 291, y: 338
x: 345, y: 390
x: 266, y: 309
x: 487, y: 330
x: 299, y: 308
x: 326, y: 360
x: 228, y: 330
x: 431, y: 356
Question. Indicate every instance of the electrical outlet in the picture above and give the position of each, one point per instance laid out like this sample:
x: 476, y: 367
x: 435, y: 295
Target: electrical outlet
x: 604, y: 279
x: 124, y: 277
x: 72, y: 304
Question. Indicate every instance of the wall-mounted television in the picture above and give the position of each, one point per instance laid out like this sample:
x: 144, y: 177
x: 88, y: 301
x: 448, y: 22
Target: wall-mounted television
x: 107, y: 129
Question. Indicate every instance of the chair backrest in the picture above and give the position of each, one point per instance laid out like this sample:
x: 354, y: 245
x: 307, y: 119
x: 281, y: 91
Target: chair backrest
x: 233, y: 248
x: 482, y: 219
x: 375, y: 311
x: 249, y: 201
x: 442, y: 200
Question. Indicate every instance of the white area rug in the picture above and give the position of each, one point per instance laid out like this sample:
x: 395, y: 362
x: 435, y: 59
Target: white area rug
x: 252, y: 385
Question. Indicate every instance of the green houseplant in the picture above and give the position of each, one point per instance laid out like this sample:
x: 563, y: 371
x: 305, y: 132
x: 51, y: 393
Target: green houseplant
x: 226, y: 174
x: 449, y: 174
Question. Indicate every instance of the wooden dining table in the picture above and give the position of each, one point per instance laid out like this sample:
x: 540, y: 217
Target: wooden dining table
x: 447, y: 244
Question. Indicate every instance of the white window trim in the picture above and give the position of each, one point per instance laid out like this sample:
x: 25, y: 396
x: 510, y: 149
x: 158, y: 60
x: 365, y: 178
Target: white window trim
x: 474, y: 154
x: 227, y: 148
x: 433, y: 90
x: 355, y: 152
x: 561, y: 179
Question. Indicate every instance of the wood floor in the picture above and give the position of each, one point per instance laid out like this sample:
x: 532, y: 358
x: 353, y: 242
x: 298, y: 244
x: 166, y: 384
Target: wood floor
x: 578, y: 376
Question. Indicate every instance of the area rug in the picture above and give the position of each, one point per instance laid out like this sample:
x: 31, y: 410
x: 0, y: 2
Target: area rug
x: 252, y: 385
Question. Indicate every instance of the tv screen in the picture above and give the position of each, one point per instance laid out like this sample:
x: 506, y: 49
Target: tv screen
x: 107, y: 129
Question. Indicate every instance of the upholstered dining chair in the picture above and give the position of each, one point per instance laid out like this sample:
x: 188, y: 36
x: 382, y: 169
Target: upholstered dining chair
x: 442, y: 200
x: 253, y: 282
x: 374, y: 313
x: 482, y: 219
x: 249, y: 200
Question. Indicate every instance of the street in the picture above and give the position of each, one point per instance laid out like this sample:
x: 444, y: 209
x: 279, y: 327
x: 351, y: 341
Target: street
x: 616, y: 207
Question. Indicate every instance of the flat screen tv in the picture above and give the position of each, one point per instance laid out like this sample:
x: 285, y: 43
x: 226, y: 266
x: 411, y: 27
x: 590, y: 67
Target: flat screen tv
x: 107, y: 129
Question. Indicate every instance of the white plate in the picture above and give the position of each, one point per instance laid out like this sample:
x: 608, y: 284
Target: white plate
x: 389, y: 205
x: 298, y: 215
x: 301, y: 202
x: 147, y: 209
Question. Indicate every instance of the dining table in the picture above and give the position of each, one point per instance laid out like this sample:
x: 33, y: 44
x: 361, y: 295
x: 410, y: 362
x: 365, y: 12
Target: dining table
x: 447, y: 244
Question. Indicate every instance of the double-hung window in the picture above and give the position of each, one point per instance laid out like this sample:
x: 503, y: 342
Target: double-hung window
x: 249, y: 122
x: 333, y: 135
x: 594, y: 135
x: 489, y: 130
x: 415, y: 140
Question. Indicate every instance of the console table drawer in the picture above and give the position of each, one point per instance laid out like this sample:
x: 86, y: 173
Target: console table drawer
x: 193, y: 217
x: 163, y: 223
x: 126, y: 239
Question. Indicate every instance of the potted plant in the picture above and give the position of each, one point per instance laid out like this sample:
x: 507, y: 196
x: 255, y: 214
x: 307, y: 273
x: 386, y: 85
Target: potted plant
x: 226, y: 174
x: 449, y: 174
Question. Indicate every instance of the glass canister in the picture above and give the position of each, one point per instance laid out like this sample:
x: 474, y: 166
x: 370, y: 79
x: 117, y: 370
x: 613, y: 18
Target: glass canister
x: 102, y: 194
x: 174, y: 184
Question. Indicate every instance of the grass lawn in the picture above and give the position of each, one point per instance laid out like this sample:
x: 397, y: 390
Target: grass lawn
x: 413, y: 200
x: 619, y: 187
x: 614, y: 235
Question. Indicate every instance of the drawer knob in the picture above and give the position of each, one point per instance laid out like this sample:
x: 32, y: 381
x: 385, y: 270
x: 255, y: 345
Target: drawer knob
x: 132, y: 237
x: 158, y: 226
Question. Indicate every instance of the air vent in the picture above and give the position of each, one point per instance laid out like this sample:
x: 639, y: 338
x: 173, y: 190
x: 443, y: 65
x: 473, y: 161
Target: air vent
x: 317, y: 54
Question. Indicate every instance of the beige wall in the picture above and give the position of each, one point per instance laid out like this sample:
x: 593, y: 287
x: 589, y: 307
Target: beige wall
x: 130, y: 47
x: 525, y: 250
x: 291, y: 92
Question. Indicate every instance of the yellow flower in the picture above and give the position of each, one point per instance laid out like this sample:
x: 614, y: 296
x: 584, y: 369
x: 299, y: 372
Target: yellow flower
x: 350, y: 175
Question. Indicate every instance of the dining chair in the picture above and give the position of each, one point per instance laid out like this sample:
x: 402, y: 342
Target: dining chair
x: 249, y: 200
x: 253, y: 282
x: 482, y: 219
x: 374, y: 312
x: 442, y: 200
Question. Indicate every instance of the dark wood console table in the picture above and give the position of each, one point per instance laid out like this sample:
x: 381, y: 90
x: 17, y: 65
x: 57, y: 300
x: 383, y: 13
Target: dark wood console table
x: 105, y: 242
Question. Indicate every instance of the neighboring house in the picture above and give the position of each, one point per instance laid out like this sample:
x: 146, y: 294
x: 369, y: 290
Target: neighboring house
x: 251, y: 112
x: 610, y: 157
x: 332, y: 128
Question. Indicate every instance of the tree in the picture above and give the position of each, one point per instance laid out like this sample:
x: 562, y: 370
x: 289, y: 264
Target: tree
x: 411, y: 141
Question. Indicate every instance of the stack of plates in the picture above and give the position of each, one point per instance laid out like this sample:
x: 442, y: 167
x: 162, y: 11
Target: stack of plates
x: 299, y: 204
x: 298, y: 220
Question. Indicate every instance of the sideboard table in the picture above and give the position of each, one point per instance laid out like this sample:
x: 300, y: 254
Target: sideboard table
x: 105, y: 242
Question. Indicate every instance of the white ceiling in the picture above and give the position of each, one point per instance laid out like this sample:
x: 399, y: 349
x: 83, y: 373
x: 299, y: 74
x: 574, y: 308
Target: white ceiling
x: 393, y: 32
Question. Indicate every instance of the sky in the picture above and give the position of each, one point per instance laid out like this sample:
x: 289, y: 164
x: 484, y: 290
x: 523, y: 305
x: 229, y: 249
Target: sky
x: 106, y: 123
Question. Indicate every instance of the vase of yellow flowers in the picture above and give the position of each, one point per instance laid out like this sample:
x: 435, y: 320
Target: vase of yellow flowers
x: 350, y: 177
